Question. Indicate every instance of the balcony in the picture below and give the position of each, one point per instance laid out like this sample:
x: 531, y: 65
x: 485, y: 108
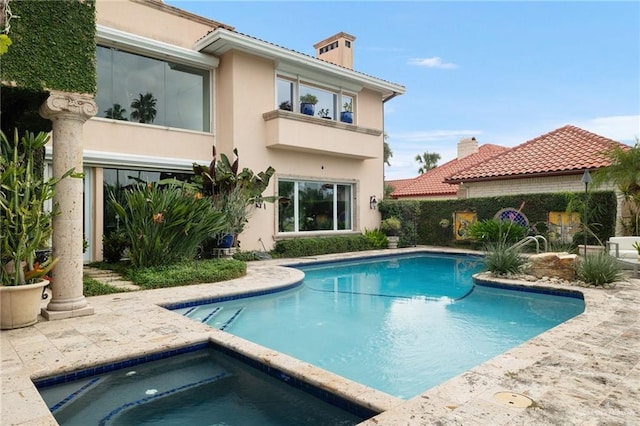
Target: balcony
x: 298, y: 132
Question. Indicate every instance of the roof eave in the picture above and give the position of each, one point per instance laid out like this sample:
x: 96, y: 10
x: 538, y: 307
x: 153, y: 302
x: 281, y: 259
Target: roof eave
x: 519, y: 176
x: 221, y: 40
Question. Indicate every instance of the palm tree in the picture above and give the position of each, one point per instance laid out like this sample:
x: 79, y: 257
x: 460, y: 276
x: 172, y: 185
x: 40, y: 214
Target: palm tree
x: 116, y: 112
x: 387, y: 153
x: 624, y: 172
x: 144, y: 108
x: 429, y: 160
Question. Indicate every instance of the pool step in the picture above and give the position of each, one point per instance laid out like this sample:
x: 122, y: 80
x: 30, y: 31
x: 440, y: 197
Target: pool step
x: 217, y: 316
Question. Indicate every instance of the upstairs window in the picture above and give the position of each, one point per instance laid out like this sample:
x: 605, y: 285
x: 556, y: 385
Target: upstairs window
x: 326, y: 103
x: 141, y: 89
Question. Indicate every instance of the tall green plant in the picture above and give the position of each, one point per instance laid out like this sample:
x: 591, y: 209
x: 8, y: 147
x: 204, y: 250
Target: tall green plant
x: 165, y: 223
x: 26, y: 225
x: 233, y: 192
x: 491, y: 231
x: 624, y: 172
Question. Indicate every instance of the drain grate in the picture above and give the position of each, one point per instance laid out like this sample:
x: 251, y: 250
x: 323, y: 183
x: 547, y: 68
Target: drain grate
x: 511, y: 399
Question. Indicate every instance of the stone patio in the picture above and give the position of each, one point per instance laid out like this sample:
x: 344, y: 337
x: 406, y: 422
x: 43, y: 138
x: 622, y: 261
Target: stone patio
x: 585, y: 371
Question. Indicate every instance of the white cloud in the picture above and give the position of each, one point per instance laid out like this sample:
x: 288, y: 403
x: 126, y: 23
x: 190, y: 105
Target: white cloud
x: 622, y: 128
x: 433, y: 62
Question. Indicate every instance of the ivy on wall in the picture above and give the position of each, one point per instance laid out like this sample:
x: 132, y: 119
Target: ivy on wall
x: 54, y: 45
x: 421, y: 220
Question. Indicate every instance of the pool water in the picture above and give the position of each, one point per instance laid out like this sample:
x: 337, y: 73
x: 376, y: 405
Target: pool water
x: 204, y: 387
x: 397, y: 324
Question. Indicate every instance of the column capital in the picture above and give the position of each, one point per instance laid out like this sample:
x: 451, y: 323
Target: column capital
x: 74, y: 106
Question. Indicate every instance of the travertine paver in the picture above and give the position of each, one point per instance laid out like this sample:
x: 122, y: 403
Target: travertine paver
x: 585, y: 371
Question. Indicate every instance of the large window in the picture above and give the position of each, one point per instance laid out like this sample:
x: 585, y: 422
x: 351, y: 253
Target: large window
x: 141, y: 89
x: 330, y: 104
x: 314, y: 206
x: 116, y: 181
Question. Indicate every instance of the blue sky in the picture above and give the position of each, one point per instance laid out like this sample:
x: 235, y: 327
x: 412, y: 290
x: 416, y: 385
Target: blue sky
x: 504, y: 72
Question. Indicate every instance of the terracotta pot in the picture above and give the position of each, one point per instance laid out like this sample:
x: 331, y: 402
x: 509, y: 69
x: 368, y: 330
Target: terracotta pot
x: 20, y: 305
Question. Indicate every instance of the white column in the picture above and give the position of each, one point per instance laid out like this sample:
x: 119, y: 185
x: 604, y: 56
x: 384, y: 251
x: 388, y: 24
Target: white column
x: 68, y: 112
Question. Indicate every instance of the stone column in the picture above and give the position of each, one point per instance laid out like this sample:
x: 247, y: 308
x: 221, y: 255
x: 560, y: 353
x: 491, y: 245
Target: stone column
x: 68, y: 112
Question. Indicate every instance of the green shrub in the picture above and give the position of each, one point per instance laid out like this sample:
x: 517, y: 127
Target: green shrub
x: 165, y: 223
x: 491, y: 231
x: 599, y: 269
x: 93, y: 287
x: 376, y: 238
x: 203, y: 271
x: 249, y: 256
x: 298, y: 247
x: 114, y: 245
x: 391, y: 226
x: 502, y: 260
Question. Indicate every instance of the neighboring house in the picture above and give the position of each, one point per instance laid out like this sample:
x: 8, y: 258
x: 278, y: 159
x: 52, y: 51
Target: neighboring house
x: 431, y: 185
x: 172, y: 84
x: 553, y: 162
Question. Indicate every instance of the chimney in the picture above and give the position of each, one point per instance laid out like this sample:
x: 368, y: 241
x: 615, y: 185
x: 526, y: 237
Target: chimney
x: 467, y: 146
x: 337, y: 49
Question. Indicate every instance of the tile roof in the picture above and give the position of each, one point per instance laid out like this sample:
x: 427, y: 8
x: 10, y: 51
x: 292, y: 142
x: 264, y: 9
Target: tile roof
x: 396, y: 184
x: 564, y: 150
x: 432, y: 182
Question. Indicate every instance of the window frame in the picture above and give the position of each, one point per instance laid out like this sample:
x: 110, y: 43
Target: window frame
x: 335, y: 219
x: 340, y: 96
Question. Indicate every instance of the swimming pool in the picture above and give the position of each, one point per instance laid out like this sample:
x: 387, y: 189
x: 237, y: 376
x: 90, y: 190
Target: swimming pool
x: 398, y: 324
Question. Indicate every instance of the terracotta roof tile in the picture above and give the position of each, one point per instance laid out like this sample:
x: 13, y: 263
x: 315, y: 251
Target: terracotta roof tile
x: 563, y: 150
x: 397, y: 184
x: 432, y: 183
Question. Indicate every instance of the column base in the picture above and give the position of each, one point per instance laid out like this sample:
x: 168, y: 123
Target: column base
x: 58, y: 315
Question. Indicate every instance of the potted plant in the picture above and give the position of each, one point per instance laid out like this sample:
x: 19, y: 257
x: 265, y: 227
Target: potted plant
x: 308, y: 104
x: 26, y: 228
x: 346, y: 116
x: 324, y: 113
x: 391, y: 227
x: 286, y: 105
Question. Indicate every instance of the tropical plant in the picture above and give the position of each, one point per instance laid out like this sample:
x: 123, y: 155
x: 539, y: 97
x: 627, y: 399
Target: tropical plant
x: 144, y: 108
x: 114, y: 246
x: 599, y: 269
x: 165, y: 222
x: 26, y: 226
x: 496, y: 231
x: 377, y: 239
x: 309, y: 99
x: 348, y: 106
x: 387, y: 153
x: 232, y: 192
x: 116, y: 112
x: 502, y: 260
x: 428, y: 161
x: 636, y: 246
x: 624, y: 172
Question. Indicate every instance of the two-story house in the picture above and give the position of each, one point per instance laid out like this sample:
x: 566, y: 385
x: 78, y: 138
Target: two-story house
x: 172, y: 84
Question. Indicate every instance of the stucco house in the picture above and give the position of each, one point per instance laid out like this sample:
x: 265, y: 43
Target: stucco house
x: 553, y: 162
x: 211, y: 85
